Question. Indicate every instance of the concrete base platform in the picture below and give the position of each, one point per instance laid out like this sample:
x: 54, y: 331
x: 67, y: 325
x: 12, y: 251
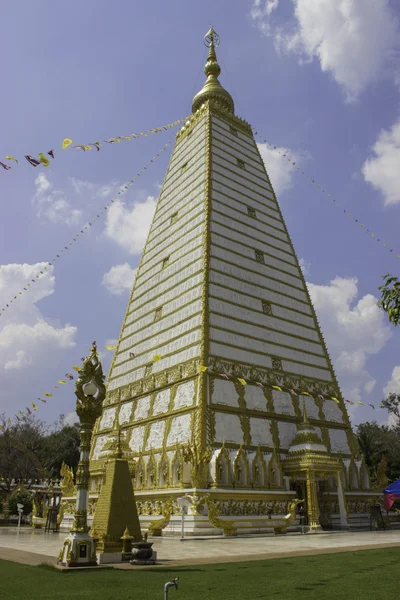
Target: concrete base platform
x: 35, y: 547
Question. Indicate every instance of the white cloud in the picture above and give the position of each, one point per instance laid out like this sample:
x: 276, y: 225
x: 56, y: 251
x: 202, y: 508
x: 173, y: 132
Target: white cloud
x: 70, y: 418
x: 128, y: 226
x: 52, y: 204
x: 354, y: 40
x: 382, y: 170
x: 119, y: 279
x: 354, y: 330
x: 26, y: 337
x: 393, y: 385
x: 94, y: 190
x: 279, y: 169
x: 305, y: 266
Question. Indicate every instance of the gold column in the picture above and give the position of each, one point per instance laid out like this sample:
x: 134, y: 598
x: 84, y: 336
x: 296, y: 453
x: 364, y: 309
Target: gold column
x: 312, y: 502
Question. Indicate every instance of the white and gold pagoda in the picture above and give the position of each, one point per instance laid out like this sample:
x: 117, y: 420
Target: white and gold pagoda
x: 219, y: 314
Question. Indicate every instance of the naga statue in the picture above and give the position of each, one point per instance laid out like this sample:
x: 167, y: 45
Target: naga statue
x: 157, y: 526
x: 88, y: 406
x: 67, y: 481
x: 228, y: 527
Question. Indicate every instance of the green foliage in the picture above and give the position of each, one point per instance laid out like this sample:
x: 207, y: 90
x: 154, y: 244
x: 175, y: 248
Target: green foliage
x: 29, y: 450
x: 392, y: 404
x: 20, y: 497
x: 390, y: 298
x: 378, y: 441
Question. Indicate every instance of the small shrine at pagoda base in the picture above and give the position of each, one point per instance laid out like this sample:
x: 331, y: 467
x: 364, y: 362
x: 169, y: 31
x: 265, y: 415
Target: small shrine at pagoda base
x: 116, y: 522
x: 219, y: 351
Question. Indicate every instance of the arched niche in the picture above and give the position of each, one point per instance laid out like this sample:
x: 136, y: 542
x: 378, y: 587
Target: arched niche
x: 140, y: 474
x: 177, y: 468
x: 353, y: 477
x: 274, y: 471
x: 223, y: 468
x: 241, y: 468
x: 151, y: 472
x: 259, y: 470
x: 163, y: 471
x: 365, y: 483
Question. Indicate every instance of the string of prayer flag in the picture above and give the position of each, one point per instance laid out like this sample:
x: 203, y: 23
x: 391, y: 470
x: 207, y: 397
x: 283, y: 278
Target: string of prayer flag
x: 345, y: 211
x: 86, y: 227
x: 67, y: 143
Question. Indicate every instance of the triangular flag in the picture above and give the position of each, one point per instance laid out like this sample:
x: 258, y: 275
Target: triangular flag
x: 67, y: 142
x: 362, y: 403
x: 76, y: 368
x: 372, y: 406
x: 45, y: 161
x: 11, y: 158
x: 276, y: 387
x: 48, y: 394
x: 62, y: 381
x: 242, y: 381
x: 108, y: 347
x: 34, y: 406
x: 335, y: 400
x: 202, y: 368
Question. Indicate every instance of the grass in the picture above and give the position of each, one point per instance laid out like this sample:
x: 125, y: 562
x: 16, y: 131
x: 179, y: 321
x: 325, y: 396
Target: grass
x: 348, y: 575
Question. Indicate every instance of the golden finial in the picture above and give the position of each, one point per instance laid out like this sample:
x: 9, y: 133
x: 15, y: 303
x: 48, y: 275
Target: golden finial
x: 212, y: 89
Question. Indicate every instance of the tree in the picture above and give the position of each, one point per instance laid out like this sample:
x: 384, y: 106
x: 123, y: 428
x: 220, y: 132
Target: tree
x: 379, y: 442
x: 61, y: 445
x: 390, y: 298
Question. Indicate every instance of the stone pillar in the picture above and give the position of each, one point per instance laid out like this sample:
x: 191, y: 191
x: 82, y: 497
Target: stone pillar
x: 312, y: 502
x: 79, y: 547
x: 341, y: 500
x: 82, y: 480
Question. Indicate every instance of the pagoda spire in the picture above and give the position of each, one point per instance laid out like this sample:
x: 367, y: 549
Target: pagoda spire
x: 212, y: 89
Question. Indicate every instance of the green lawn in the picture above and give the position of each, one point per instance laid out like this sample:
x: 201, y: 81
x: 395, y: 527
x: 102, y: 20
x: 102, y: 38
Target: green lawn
x: 349, y: 575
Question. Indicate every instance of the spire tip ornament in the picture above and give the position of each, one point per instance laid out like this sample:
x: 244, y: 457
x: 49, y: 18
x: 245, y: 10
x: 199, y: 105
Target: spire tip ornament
x: 212, y: 89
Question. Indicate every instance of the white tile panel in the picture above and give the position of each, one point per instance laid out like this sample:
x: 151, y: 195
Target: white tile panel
x: 156, y: 435
x: 180, y: 432
x: 142, y: 408
x: 287, y: 432
x: 184, y: 395
x: 260, y: 430
x: 246, y: 329
x: 243, y: 342
x: 125, y: 413
x: 332, y: 411
x: 253, y: 315
x: 283, y: 403
x: 338, y: 439
x: 137, y: 438
x: 239, y: 355
x: 246, y: 294
x: 228, y: 428
x: 311, y: 406
x: 107, y: 419
x: 161, y: 402
x: 306, y: 371
x: 224, y: 392
x: 255, y: 398
x: 240, y: 270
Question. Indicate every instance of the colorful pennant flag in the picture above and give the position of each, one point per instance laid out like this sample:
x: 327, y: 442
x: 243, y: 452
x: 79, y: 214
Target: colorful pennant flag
x: 12, y: 158
x: 76, y: 368
x: 131, y: 355
x: 48, y: 394
x: 51, y: 153
x: 62, y: 382
x: 5, y: 167
x: 276, y: 387
x: 109, y: 347
x: 156, y: 357
x: 242, y: 381
x: 43, y: 159
x: 34, y: 406
x: 67, y: 142
x: 202, y: 368
x: 31, y: 160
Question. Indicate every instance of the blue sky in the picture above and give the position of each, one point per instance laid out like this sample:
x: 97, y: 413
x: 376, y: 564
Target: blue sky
x: 318, y: 78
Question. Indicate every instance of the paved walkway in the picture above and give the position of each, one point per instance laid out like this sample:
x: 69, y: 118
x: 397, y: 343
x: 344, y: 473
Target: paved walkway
x: 34, y: 546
